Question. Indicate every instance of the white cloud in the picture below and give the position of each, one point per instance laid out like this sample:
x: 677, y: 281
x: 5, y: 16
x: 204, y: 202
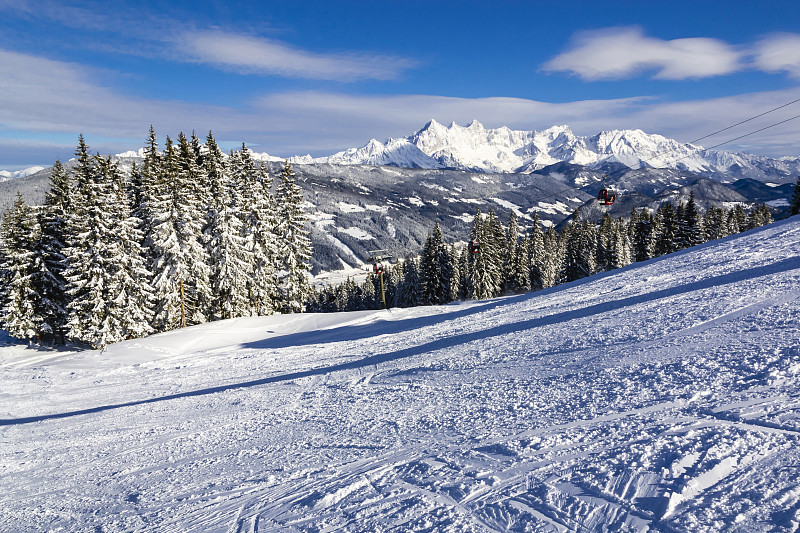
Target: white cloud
x: 341, y: 120
x: 45, y: 99
x: 779, y: 53
x: 615, y: 53
x: 265, y: 56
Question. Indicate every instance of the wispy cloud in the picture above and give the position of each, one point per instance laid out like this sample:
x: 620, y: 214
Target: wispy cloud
x: 339, y: 120
x: 615, y: 53
x: 46, y: 96
x: 779, y: 53
x: 41, y: 98
x: 258, y: 55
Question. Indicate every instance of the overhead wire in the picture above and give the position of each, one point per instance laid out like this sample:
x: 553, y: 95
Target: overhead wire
x: 642, y: 162
x: 743, y: 122
x: 740, y: 137
x: 661, y: 155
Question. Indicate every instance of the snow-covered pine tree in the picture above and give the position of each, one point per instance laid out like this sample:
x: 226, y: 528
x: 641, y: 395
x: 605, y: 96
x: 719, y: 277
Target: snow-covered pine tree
x: 643, y: 236
x: 464, y: 265
x: 666, y: 228
x: 633, y: 221
x: 622, y: 247
x: 766, y: 215
x: 355, y: 296
x: 18, y: 233
x: 495, y: 237
x: 510, y: 242
x: 681, y: 230
x: 435, y: 269
x: 759, y: 216
x: 146, y: 187
x: 260, y: 222
x: 371, y: 292
x: 454, y: 260
x: 605, y: 244
x: 693, y: 222
x: 93, y: 254
x: 79, y: 236
x: 482, y: 283
x: 53, y: 223
x: 391, y: 277
x: 796, y: 199
x: 341, y: 297
x: 130, y: 298
x: 224, y: 242
x: 201, y: 188
x: 191, y: 203
x: 536, y: 255
x: 715, y: 223
x: 737, y: 220
x: 165, y: 248
x: 521, y: 268
x: 407, y: 293
x: 581, y: 245
x: 325, y: 300
x: 295, y: 250
x: 553, y: 257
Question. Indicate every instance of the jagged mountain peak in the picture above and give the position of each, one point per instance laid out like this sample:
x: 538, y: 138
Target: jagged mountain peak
x: 473, y: 147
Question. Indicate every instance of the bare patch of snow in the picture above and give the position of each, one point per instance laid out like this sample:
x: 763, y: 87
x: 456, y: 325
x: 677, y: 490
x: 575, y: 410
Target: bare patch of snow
x: 357, y: 233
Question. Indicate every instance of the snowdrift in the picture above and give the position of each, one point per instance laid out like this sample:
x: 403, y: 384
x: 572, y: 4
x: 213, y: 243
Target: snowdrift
x: 663, y: 396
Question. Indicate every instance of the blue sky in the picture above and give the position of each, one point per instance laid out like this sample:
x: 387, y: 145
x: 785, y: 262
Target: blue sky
x: 294, y: 77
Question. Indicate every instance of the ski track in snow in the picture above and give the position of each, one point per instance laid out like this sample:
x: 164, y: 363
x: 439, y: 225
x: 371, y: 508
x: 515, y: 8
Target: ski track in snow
x: 663, y: 396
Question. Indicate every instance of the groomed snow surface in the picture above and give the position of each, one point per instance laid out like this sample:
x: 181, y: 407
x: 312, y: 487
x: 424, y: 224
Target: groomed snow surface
x: 664, y: 396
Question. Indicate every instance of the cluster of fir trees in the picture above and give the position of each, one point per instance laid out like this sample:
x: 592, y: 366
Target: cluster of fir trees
x: 795, y: 207
x: 507, y: 262
x: 187, y: 237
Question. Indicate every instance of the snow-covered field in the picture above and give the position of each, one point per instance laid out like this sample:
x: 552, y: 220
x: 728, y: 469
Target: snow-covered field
x: 663, y: 396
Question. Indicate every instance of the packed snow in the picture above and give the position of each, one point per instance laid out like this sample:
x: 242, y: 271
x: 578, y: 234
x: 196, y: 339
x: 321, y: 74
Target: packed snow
x: 663, y: 396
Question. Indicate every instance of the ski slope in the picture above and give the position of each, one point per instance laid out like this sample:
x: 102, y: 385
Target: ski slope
x: 664, y: 396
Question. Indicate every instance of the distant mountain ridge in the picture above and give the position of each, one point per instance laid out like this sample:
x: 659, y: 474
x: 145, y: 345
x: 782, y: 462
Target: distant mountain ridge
x: 6, y: 175
x: 355, y: 208
x: 475, y: 148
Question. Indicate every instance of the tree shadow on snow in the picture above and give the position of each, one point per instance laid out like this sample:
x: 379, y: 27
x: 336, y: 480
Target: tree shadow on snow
x: 390, y: 327
x: 357, y: 332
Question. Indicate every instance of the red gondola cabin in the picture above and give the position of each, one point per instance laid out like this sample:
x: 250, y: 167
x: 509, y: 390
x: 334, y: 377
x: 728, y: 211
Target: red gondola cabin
x: 606, y: 196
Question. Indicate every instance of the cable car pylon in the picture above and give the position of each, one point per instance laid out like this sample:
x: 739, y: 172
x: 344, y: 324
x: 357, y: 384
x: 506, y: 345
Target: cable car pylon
x: 377, y: 258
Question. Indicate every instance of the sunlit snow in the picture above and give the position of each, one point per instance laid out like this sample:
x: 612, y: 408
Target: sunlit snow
x: 356, y: 233
x: 552, y: 208
x: 663, y: 396
x: 344, y: 207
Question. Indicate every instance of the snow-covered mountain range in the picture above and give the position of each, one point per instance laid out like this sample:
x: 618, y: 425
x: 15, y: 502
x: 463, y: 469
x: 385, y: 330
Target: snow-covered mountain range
x: 475, y: 148
x: 6, y: 175
x: 388, y: 195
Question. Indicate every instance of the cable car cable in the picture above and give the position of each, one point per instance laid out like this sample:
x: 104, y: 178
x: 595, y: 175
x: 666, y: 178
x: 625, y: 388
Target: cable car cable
x: 743, y: 122
x: 642, y: 162
x: 737, y: 138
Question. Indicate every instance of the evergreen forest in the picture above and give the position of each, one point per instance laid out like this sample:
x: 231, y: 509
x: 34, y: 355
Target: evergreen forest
x: 192, y: 235
x: 188, y: 237
x: 499, y: 260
